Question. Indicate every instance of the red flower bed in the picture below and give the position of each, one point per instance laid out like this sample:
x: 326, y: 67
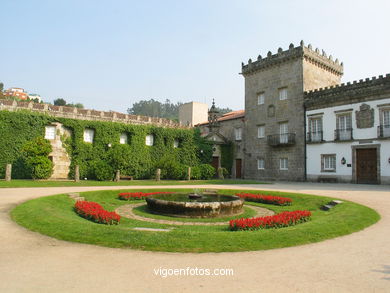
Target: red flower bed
x: 276, y: 200
x: 139, y: 195
x: 95, y: 212
x: 283, y: 219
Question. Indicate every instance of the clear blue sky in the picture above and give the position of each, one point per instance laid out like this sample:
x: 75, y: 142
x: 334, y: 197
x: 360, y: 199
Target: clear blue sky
x: 109, y: 54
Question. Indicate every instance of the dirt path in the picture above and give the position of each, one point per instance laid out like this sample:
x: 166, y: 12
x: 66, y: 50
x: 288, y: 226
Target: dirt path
x: 360, y: 262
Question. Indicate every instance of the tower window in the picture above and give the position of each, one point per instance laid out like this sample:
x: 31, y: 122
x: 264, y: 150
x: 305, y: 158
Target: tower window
x: 283, y: 94
x: 260, y: 99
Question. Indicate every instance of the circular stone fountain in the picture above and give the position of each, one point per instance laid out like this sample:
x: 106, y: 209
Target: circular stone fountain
x: 195, y: 205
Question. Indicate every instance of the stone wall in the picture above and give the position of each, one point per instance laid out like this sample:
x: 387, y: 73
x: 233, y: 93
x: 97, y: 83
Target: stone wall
x: 86, y: 114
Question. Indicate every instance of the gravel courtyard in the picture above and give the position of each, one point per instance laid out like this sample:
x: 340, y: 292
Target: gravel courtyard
x: 359, y: 262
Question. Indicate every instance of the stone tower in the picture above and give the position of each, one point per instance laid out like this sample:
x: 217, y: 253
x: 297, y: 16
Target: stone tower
x: 274, y: 112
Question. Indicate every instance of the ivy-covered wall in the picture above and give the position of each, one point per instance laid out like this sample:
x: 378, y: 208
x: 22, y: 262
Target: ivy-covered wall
x: 134, y: 158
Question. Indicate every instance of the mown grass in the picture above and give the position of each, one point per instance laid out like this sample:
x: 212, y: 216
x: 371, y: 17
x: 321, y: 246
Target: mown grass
x: 54, y: 216
x: 48, y: 183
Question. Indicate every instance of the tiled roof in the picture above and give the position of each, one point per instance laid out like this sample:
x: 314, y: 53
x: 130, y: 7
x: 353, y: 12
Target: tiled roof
x: 228, y: 116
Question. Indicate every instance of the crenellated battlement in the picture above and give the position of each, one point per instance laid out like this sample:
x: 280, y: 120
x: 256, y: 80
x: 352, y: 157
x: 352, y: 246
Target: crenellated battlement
x: 321, y: 59
x: 347, y: 91
x: 86, y: 114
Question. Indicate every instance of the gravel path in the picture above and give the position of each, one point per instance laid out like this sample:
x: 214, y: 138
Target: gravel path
x: 127, y: 212
x: 359, y: 262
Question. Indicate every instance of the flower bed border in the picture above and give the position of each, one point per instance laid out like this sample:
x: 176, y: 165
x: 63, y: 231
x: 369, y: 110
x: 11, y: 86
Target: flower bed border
x: 267, y: 199
x: 139, y: 195
x: 284, y: 219
x: 95, y: 212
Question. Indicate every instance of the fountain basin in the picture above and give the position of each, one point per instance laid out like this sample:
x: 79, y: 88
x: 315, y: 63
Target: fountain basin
x: 207, y: 206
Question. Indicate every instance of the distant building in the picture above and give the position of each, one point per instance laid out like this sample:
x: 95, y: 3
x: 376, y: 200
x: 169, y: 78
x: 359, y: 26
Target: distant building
x: 35, y: 97
x: 17, y: 93
x: 193, y: 113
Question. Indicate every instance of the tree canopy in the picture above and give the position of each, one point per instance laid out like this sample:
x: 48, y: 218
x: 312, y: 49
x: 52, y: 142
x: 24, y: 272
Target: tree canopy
x: 62, y: 102
x: 167, y: 109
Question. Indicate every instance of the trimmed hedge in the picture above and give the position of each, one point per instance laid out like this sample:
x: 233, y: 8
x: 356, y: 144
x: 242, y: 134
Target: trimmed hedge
x: 97, y: 160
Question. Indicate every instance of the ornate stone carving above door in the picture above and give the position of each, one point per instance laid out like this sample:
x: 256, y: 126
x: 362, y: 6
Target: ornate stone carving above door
x: 365, y: 117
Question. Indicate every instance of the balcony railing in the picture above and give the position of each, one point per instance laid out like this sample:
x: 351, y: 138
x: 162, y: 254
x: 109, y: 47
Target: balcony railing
x: 281, y: 139
x: 343, y: 134
x: 314, y: 136
x: 384, y: 131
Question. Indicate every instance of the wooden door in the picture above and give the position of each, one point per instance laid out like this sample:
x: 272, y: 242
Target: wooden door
x: 238, y: 168
x: 366, y: 166
x: 215, y: 163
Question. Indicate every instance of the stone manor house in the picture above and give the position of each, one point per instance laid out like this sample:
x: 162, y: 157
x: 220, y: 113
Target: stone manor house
x: 300, y: 123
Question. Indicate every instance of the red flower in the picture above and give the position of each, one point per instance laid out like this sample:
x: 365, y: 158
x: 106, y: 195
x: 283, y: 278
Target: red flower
x: 139, y: 195
x: 95, y: 212
x: 268, y: 199
x: 283, y: 219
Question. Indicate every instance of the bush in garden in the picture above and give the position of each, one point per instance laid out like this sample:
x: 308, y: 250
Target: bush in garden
x: 35, y: 157
x: 196, y: 173
x: 171, y: 168
x: 225, y: 173
x: 206, y: 171
x: 102, y: 171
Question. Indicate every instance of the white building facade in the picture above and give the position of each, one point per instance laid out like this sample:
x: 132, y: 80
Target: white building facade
x: 348, y: 132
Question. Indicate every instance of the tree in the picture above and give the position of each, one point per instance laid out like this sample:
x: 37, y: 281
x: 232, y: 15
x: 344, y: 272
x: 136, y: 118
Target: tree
x: 77, y: 105
x: 223, y: 110
x: 155, y: 109
x: 59, y: 102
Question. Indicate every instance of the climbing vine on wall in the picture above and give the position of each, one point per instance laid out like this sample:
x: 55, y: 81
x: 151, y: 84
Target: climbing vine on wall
x: 134, y: 158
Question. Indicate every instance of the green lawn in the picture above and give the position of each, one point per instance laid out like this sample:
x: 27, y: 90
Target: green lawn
x: 54, y: 216
x: 49, y: 183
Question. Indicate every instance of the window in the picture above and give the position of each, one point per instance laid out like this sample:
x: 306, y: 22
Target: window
x: 123, y: 138
x: 344, y: 127
x: 283, y: 164
x: 261, y: 131
x: 328, y: 163
x: 176, y: 143
x: 315, y: 129
x: 50, y: 132
x: 260, y: 164
x: 283, y: 131
x: 283, y: 94
x: 238, y: 133
x: 88, y: 135
x: 260, y: 99
x: 385, y: 123
x: 149, y: 140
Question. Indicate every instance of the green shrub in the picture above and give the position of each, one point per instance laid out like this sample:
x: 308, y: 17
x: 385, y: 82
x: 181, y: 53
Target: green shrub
x: 35, y: 158
x: 171, y: 168
x: 102, y: 171
x: 206, y: 171
x: 225, y: 173
x: 196, y: 173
